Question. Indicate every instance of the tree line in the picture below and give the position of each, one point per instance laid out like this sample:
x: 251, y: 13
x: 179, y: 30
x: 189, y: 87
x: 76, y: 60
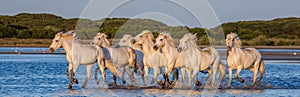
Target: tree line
x: 281, y: 31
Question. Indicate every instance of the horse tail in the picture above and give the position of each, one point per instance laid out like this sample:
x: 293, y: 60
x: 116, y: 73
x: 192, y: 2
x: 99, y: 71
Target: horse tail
x: 96, y: 74
x: 215, y: 64
x: 222, y: 71
x: 261, y: 69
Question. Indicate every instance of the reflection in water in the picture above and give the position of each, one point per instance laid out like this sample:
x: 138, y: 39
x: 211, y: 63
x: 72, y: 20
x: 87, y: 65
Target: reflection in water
x: 44, y: 75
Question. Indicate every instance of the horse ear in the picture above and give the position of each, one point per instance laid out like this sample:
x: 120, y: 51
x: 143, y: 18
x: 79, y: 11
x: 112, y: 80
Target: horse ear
x: 194, y: 36
x: 60, y: 33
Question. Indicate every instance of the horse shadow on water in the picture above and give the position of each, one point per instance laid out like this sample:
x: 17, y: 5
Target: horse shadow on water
x: 236, y: 85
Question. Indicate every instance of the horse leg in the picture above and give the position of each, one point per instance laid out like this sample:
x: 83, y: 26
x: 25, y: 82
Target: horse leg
x: 96, y: 76
x: 71, y: 81
x: 239, y: 69
x: 230, y: 76
x: 174, y: 76
x: 208, y: 76
x: 195, y: 77
x: 113, y: 70
x: 141, y: 69
x: 146, y: 68
x: 188, y: 71
x: 123, y: 79
x: 115, y: 80
x: 256, y: 65
x: 168, y: 72
x: 101, y: 66
x: 132, y: 80
x: 70, y: 67
x: 156, y: 71
x: 69, y: 70
x: 182, y: 75
x: 89, y: 74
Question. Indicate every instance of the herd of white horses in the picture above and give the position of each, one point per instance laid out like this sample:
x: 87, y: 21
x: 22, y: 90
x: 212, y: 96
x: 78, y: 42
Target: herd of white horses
x: 140, y: 53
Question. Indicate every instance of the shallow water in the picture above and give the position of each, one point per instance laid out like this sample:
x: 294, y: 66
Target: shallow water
x: 44, y: 75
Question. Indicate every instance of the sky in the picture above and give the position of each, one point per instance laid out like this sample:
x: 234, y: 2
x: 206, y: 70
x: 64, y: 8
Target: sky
x: 192, y: 13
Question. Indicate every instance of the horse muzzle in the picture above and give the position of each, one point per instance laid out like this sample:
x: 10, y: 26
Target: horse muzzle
x: 133, y: 41
x: 155, y: 47
x: 51, y: 50
x: 179, y: 49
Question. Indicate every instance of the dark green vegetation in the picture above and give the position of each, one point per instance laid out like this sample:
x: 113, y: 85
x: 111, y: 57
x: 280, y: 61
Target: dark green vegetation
x: 283, y: 31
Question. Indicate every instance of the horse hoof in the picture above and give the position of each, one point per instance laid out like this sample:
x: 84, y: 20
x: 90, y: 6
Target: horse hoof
x: 124, y: 82
x: 70, y: 87
x: 75, y: 80
x: 97, y: 82
x: 160, y: 83
x: 173, y: 83
x: 198, y: 83
x: 229, y: 87
x: 241, y: 80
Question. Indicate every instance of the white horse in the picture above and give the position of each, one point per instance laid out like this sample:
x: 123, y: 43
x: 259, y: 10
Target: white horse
x: 122, y: 56
x: 190, y: 57
x: 76, y: 54
x: 152, y: 59
x: 206, y: 59
x: 126, y: 40
x: 238, y: 58
x: 210, y: 60
x: 165, y: 42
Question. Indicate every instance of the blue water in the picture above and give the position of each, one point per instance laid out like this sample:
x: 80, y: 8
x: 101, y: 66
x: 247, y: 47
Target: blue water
x: 44, y: 75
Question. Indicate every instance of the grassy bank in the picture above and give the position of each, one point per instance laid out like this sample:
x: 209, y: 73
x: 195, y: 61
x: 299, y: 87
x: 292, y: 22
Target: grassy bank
x: 25, y: 42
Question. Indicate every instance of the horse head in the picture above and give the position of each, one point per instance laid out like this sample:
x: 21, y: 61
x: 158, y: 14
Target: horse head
x: 163, y: 39
x: 125, y: 40
x: 101, y: 39
x: 232, y: 40
x: 186, y: 40
x: 57, y: 40
x: 142, y: 37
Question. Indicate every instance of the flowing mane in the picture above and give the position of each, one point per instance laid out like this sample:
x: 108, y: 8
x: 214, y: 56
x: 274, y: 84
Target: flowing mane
x: 237, y: 40
x: 168, y: 37
x: 148, y: 34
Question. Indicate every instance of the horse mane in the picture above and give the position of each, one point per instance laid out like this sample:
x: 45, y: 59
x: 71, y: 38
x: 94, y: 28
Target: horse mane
x: 237, y: 40
x: 70, y: 35
x: 149, y: 35
x: 169, y: 38
x: 127, y: 36
x: 194, y: 39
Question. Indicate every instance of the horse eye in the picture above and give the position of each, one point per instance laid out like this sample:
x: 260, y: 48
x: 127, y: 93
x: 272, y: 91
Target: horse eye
x: 99, y: 38
x: 161, y: 39
x: 141, y: 36
x: 56, y: 40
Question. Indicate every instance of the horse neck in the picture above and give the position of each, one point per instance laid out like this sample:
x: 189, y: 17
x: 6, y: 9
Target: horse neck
x: 106, y: 45
x: 193, y: 48
x: 147, y: 47
x: 168, y: 49
x: 67, y: 45
x: 234, y: 50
